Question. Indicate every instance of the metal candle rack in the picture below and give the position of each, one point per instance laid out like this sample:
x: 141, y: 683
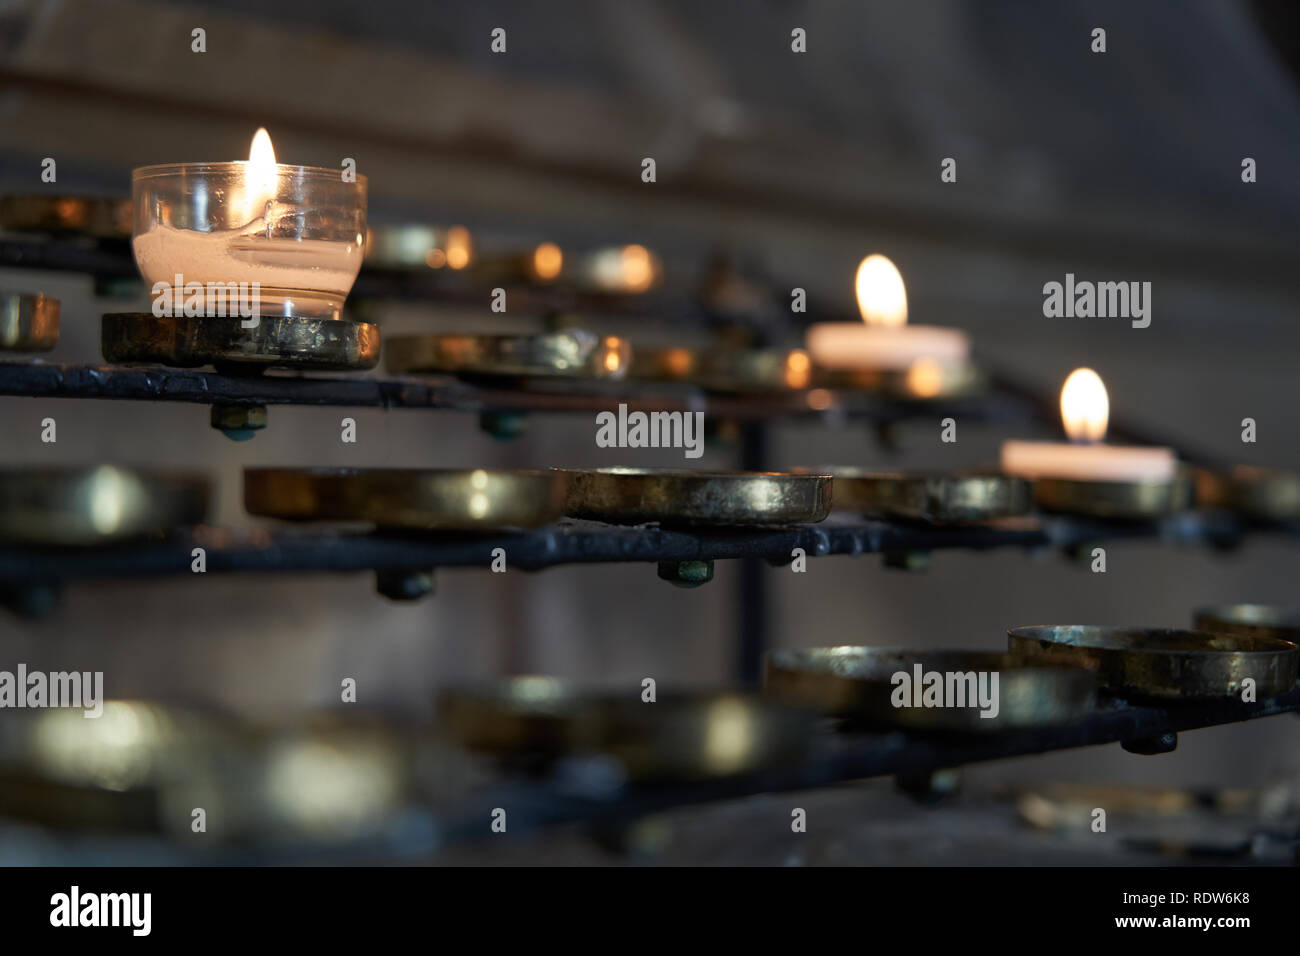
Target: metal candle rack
x: 28, y: 576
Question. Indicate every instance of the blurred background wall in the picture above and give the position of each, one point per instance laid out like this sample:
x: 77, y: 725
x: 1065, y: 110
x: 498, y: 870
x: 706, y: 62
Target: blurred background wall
x: 1124, y: 165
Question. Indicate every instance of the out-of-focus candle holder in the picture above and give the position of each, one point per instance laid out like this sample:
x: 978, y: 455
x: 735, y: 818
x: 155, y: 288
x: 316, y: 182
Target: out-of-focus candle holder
x: 1250, y: 620
x: 857, y: 683
x: 743, y: 371
x: 1117, y: 500
x: 427, y: 499
x: 407, y: 247
x: 1268, y: 494
x: 299, y: 232
x: 28, y: 323
x: 95, y: 216
x: 570, y: 354
x: 97, y: 505
x: 924, y: 379
x: 1165, y: 663
x: 933, y: 498
x: 685, y: 498
x: 678, y: 737
x: 669, y: 363
x: 277, y: 341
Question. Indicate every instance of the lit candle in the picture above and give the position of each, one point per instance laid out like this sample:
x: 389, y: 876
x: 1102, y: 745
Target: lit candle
x: 1085, y: 411
x: 883, y: 341
x: 297, y: 231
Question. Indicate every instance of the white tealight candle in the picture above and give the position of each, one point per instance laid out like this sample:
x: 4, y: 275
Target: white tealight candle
x: 1085, y: 410
x: 883, y: 341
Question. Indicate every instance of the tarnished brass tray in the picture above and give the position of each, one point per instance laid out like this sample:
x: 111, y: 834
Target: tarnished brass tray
x: 574, y: 354
x: 923, y: 380
x: 432, y: 499
x: 1123, y: 500
x: 28, y: 322
x: 680, y: 736
x: 1165, y: 663
x: 97, y: 504
x: 685, y: 497
x: 859, y: 683
x: 960, y: 497
x: 276, y: 342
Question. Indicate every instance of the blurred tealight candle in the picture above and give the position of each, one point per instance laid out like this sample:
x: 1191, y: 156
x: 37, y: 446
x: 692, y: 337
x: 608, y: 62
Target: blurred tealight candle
x: 883, y: 341
x: 1085, y: 412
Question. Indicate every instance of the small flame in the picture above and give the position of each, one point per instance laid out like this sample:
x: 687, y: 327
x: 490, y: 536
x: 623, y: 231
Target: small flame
x: 882, y: 297
x: 1085, y: 406
x: 261, y: 174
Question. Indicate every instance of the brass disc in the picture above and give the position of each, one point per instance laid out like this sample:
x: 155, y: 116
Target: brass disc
x: 98, y: 216
x: 447, y: 500
x: 858, y: 683
x: 922, y: 381
x: 1122, y: 500
x: 931, y: 497
x: 574, y: 354
x: 681, y: 736
x: 277, y: 341
x: 684, y: 497
x: 95, y: 505
x: 28, y: 323
x: 1176, y: 664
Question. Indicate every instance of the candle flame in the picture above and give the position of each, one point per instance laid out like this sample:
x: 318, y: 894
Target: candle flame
x: 261, y: 174
x: 1085, y: 406
x: 882, y: 297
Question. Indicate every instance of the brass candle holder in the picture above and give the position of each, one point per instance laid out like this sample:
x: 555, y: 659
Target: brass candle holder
x: 923, y: 380
x: 427, y: 499
x: 1165, y: 663
x: 96, y: 216
x: 97, y: 505
x: 276, y: 342
x: 1250, y: 620
x: 683, y: 497
x: 682, y: 736
x: 933, y: 498
x: 744, y: 371
x: 857, y: 683
x: 28, y: 323
x: 1117, y: 500
x: 569, y: 354
x: 1267, y: 494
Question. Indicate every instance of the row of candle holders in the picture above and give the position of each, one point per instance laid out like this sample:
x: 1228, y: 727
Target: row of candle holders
x: 91, y: 505
x: 330, y: 778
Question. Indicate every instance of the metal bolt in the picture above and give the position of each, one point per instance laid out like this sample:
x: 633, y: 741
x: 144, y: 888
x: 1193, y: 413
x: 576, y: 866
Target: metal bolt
x: 238, y: 422
x: 503, y: 425
x: 404, y: 585
x: 686, y: 574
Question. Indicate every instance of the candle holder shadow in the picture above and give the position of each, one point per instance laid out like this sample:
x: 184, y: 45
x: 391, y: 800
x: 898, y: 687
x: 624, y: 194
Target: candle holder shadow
x: 1165, y: 664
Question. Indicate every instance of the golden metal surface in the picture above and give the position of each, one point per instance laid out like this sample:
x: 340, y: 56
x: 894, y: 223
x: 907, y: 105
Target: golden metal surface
x: 960, y: 497
x: 574, y: 354
x: 276, y: 342
x: 684, y: 497
x: 750, y: 370
x: 1164, y: 663
x: 419, y: 247
x: 685, y: 736
x: 1250, y: 620
x: 1124, y: 500
x: 104, y: 218
x: 28, y: 322
x: 858, y: 683
x: 671, y: 363
x: 925, y: 379
x: 1268, y: 493
x: 95, y: 505
x: 431, y: 499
